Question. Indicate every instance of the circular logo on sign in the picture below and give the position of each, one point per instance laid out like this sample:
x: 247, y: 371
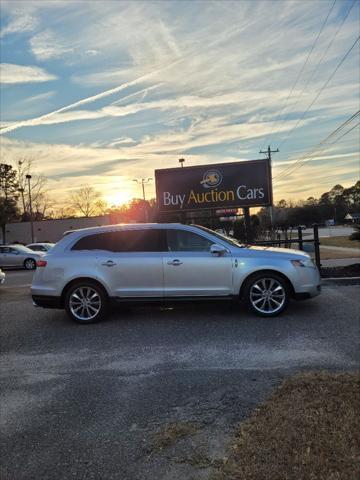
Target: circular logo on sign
x: 211, y: 178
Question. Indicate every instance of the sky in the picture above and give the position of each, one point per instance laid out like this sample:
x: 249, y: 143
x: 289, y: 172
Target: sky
x: 103, y: 92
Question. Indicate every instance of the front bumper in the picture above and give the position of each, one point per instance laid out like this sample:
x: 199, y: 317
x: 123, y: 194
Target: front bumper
x: 307, y: 283
x: 311, y: 293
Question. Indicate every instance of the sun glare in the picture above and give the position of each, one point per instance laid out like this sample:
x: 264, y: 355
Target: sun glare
x: 118, y: 198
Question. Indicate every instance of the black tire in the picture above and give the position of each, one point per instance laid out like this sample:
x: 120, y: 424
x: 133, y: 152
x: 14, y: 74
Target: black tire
x: 29, y: 264
x: 97, y: 300
x: 262, y: 302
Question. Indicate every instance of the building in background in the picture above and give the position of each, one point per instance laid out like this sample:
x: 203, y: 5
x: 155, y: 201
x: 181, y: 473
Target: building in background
x: 53, y: 230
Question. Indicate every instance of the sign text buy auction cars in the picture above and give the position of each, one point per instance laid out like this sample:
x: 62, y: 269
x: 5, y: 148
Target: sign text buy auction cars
x: 236, y: 184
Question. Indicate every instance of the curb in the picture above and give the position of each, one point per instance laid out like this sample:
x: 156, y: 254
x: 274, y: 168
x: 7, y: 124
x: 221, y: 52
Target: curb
x: 341, y: 281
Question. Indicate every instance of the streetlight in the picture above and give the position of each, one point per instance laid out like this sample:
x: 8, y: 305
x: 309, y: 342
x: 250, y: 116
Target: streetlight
x: 142, y: 182
x: 181, y: 161
x: 28, y: 178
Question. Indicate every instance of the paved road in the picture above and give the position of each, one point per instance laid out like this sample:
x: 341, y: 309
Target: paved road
x: 339, y: 262
x: 17, y: 278
x: 84, y: 401
x: 331, y: 231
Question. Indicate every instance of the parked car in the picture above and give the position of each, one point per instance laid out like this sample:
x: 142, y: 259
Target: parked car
x: 18, y: 256
x: 2, y: 277
x: 40, y: 247
x: 144, y: 263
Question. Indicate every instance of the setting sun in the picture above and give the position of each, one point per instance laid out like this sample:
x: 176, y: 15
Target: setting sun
x: 117, y: 198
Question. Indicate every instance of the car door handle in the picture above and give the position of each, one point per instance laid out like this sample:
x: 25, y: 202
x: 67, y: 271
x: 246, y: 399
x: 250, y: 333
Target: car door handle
x: 109, y: 263
x: 175, y: 263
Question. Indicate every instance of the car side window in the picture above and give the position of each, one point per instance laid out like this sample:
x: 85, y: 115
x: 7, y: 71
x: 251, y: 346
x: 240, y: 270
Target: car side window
x: 185, y: 241
x: 124, y: 241
x: 152, y: 240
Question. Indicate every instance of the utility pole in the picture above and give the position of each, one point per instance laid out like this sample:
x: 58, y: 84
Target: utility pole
x: 28, y: 177
x: 142, y: 182
x: 21, y: 189
x: 268, y: 152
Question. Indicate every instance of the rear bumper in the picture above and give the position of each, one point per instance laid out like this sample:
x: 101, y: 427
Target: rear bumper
x: 46, y: 301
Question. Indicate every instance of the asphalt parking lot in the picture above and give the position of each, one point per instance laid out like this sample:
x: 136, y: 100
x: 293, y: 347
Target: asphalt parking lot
x: 85, y: 401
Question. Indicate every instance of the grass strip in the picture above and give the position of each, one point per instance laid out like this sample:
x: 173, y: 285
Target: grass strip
x: 308, y: 430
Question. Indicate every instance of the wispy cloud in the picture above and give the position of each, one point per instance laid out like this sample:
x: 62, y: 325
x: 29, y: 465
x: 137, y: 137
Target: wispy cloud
x: 41, y: 97
x: 45, y: 47
x: 11, y: 73
x: 21, y: 24
x: 144, y: 82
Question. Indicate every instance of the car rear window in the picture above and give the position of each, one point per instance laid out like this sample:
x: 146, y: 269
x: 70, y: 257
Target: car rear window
x: 124, y: 241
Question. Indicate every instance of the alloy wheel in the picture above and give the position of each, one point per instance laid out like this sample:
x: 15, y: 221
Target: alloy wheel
x: 267, y: 296
x: 85, y: 303
x: 30, y: 264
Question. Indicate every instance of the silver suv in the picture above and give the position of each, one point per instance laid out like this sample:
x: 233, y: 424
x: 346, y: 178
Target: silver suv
x: 145, y: 263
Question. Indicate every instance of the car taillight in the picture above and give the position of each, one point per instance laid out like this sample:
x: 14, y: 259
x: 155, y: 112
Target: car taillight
x: 41, y: 263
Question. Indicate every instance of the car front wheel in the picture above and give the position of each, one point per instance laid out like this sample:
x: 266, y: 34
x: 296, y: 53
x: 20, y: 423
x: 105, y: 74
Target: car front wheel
x: 86, y: 302
x: 267, y: 294
x: 30, y: 264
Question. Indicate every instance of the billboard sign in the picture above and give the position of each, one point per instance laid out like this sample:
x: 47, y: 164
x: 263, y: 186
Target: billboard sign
x: 224, y: 185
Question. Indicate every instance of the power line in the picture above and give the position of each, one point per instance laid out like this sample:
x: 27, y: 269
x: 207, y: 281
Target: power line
x: 317, y: 150
x: 302, y: 69
x: 317, y: 65
x: 316, y: 147
x: 320, y: 91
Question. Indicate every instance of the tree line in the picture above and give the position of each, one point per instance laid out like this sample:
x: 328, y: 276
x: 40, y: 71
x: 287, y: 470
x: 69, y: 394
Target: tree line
x: 21, y: 198
x: 332, y: 205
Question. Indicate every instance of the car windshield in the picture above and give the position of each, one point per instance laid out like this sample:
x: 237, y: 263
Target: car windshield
x: 224, y: 238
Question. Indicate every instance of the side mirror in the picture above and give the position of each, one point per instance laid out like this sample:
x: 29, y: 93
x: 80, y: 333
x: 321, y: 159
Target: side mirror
x: 217, y: 249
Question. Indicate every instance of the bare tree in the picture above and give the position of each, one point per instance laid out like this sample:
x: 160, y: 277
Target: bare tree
x: 65, y: 211
x: 86, y: 201
x: 41, y: 201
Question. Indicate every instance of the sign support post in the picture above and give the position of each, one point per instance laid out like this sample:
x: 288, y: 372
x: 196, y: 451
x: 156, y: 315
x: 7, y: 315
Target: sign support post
x: 268, y: 152
x: 248, y: 231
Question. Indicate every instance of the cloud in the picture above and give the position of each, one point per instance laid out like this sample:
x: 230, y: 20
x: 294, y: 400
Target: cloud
x: 93, y: 98
x: 44, y: 46
x: 11, y: 73
x: 20, y: 23
x: 41, y: 97
x: 207, y: 82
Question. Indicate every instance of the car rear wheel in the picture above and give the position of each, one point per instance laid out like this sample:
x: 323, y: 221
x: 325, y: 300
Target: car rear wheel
x: 86, y: 302
x: 267, y: 294
x: 30, y: 264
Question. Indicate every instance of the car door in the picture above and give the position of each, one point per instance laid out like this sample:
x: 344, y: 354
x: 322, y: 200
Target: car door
x: 9, y: 257
x: 4, y: 256
x: 16, y: 258
x: 190, y: 269
x: 132, y: 265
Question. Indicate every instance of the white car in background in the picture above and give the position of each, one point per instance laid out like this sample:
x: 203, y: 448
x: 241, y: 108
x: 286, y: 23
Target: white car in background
x: 19, y: 256
x: 40, y: 247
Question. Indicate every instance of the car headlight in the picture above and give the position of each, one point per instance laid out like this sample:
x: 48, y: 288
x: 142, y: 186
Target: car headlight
x: 303, y: 263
